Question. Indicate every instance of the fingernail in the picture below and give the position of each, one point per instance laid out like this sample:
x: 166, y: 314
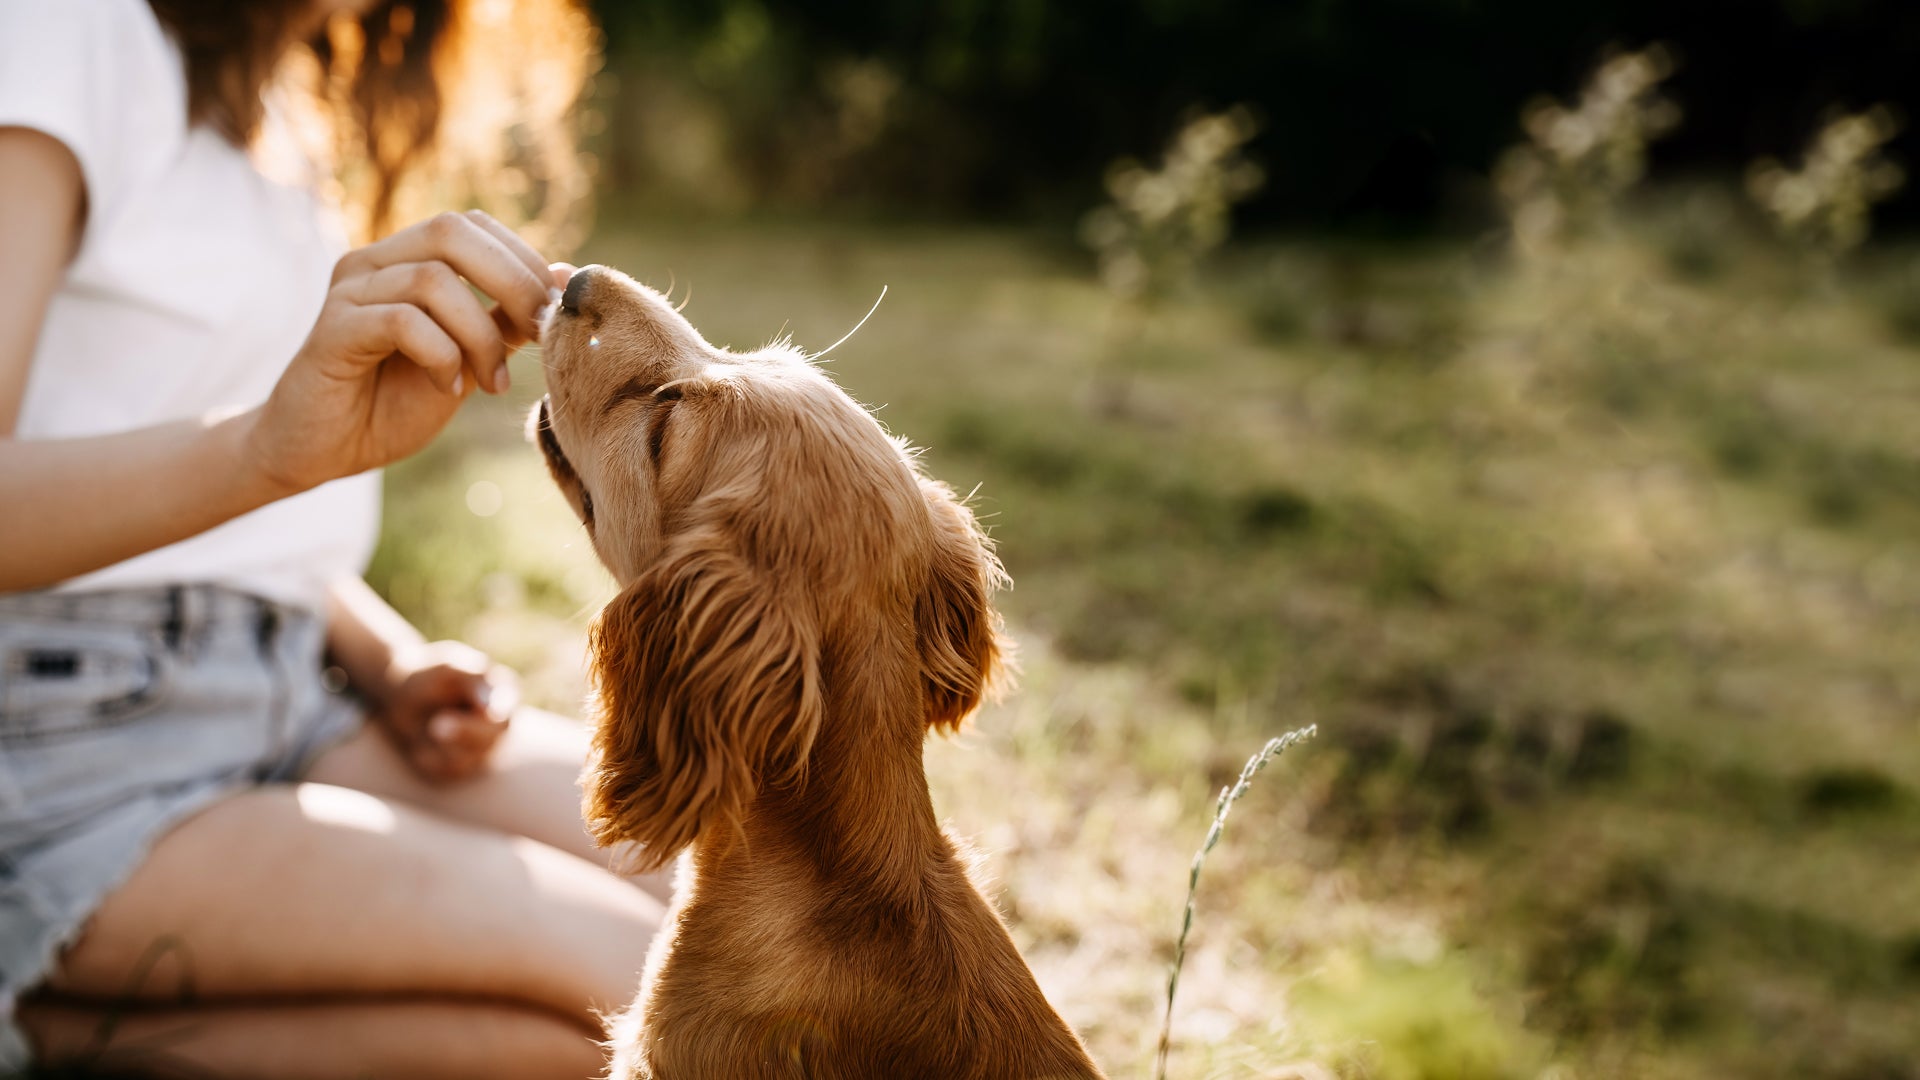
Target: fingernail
x: 443, y: 727
x: 554, y: 294
x: 459, y: 382
x: 501, y: 380
x: 484, y: 694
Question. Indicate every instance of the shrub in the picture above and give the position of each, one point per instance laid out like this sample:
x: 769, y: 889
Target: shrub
x: 1577, y: 161
x: 1161, y: 222
x: 1825, y: 206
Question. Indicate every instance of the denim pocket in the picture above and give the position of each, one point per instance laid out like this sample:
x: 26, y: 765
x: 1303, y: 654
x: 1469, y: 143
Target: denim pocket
x: 60, y: 679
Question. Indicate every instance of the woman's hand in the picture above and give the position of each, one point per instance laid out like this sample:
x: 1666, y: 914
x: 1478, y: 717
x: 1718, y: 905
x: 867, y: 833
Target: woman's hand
x: 401, y: 341
x: 444, y: 708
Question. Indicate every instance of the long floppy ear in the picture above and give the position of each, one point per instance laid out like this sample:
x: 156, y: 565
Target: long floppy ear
x: 708, y: 687
x: 962, y: 653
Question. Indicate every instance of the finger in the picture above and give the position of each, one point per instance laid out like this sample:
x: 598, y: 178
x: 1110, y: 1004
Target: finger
x: 513, y: 241
x: 560, y: 272
x: 480, y: 734
x: 384, y: 329
x: 510, y: 331
x: 464, y: 727
x: 448, y: 727
x: 505, y: 698
x: 474, y: 252
x: 436, y: 289
x: 444, y: 691
x: 461, y: 742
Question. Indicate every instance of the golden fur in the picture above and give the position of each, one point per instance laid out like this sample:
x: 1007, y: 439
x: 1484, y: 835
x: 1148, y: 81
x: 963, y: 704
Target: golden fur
x: 801, y: 606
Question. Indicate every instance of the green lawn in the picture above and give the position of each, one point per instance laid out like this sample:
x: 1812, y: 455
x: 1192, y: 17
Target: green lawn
x: 1598, y: 577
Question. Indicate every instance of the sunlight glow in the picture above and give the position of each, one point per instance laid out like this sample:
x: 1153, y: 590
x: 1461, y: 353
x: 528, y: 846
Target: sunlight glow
x: 346, y: 808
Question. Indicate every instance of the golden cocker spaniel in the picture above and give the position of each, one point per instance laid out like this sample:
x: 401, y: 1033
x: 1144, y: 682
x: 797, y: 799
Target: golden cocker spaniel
x: 801, y: 606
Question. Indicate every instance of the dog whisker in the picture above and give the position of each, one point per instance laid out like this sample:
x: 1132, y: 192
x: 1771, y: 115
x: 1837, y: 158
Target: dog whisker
x: 815, y: 358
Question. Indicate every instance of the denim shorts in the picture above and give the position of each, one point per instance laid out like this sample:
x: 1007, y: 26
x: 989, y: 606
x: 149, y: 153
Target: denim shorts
x: 121, y: 713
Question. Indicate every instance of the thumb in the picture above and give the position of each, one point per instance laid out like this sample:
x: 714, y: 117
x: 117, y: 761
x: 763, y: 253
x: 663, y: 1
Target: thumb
x: 499, y: 695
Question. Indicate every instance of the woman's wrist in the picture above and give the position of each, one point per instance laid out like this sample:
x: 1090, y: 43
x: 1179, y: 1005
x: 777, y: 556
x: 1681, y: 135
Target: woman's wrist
x: 253, y: 466
x: 371, y: 642
x: 402, y: 660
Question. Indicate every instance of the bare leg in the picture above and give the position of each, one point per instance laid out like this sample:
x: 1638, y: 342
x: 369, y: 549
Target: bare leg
x: 532, y: 788
x: 421, y: 1040
x: 313, y: 890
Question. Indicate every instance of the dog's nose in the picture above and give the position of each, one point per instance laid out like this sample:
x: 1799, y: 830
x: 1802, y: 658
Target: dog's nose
x: 576, y: 291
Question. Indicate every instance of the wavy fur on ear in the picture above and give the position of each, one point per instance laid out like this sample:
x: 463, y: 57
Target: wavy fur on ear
x: 708, y: 686
x: 962, y: 651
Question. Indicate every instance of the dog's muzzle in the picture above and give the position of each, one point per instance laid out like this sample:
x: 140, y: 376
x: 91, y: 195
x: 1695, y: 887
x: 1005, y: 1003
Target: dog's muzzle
x: 544, y: 438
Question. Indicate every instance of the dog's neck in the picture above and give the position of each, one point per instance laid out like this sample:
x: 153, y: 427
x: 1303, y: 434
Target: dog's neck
x: 862, y: 815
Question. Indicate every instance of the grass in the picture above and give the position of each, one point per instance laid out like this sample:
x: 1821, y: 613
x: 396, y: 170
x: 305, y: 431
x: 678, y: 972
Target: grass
x: 1221, y: 809
x: 1598, y: 579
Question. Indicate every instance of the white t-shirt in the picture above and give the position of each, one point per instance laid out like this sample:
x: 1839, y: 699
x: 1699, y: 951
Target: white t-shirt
x: 196, y: 281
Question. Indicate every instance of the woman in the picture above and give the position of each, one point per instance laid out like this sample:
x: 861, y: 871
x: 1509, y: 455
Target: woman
x: 207, y: 862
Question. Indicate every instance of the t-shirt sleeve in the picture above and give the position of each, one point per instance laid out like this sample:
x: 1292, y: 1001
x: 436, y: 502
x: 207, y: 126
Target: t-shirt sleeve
x: 74, y: 69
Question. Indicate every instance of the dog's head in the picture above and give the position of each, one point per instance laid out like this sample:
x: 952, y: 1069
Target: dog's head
x: 768, y: 537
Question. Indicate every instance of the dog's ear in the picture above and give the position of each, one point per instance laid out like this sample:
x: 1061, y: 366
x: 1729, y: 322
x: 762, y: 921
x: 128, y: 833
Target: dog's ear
x: 962, y: 652
x: 708, y: 687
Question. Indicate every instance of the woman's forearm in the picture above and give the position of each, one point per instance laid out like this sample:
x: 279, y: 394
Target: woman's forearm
x: 70, y: 506
x: 366, y: 637
x: 399, y: 341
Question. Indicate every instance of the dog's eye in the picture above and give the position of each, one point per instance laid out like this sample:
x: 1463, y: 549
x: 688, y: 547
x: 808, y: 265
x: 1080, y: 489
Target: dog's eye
x: 586, y: 508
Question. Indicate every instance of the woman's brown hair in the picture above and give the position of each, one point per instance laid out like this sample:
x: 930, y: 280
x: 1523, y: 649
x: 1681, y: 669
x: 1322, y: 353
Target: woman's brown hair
x: 419, y: 102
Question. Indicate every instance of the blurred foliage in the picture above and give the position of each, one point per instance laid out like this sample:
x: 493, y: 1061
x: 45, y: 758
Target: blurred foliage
x: 1566, y: 179
x: 1823, y: 206
x: 1161, y: 222
x: 1377, y: 113
x: 1150, y: 240
x: 1427, y: 1018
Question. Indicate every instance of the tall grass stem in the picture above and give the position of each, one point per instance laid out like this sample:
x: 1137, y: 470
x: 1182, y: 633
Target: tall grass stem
x: 1228, y: 796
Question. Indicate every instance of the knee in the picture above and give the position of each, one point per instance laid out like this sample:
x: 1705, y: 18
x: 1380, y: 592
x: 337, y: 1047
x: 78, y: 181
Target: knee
x: 590, y: 935
x: 530, y: 1045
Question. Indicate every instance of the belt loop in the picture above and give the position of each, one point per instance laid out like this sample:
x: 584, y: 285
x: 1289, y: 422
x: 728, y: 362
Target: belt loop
x: 175, y: 624
x: 267, y: 627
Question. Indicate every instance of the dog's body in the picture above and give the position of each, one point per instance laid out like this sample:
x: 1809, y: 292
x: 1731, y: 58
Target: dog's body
x: 801, y: 607
x: 785, y: 961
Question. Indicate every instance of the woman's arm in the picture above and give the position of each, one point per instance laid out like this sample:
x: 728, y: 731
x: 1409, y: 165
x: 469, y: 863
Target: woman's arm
x: 399, y: 343
x: 156, y: 486
x: 369, y: 640
x: 68, y: 506
x: 444, y: 704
